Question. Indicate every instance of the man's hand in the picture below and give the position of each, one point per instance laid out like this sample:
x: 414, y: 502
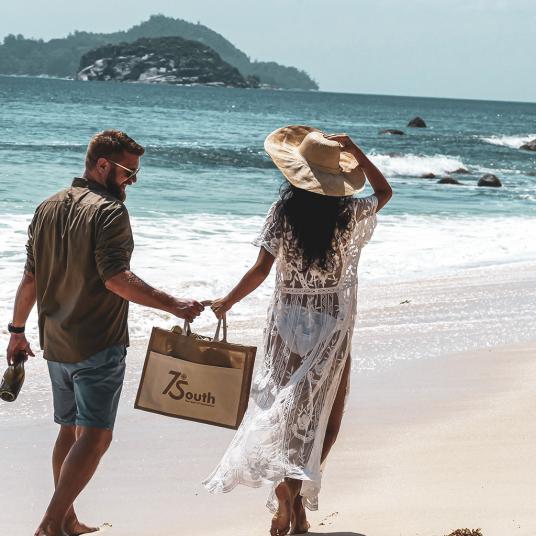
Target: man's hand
x: 17, y: 343
x: 187, y: 309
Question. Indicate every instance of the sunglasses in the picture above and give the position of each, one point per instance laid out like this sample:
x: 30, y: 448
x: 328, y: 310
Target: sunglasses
x: 131, y: 172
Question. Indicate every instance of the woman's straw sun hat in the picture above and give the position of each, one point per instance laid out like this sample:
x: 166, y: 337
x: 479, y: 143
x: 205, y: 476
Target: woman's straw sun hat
x: 312, y: 162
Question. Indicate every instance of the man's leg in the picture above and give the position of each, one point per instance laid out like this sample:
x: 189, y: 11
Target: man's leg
x: 96, y: 386
x: 78, y: 467
x: 64, y: 415
x: 64, y: 442
x: 66, y: 438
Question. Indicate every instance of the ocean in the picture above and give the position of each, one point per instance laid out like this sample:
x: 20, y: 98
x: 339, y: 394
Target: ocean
x: 206, y: 182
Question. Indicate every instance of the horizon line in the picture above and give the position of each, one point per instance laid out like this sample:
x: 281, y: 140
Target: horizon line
x: 332, y: 91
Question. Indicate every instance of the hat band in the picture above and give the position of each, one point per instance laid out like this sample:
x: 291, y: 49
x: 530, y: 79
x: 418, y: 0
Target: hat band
x: 326, y: 169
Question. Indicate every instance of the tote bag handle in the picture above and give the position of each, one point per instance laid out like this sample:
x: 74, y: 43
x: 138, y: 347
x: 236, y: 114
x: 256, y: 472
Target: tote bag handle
x: 221, y: 322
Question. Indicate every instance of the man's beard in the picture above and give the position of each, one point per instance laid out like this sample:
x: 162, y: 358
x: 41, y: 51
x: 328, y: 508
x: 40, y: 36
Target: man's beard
x: 113, y: 187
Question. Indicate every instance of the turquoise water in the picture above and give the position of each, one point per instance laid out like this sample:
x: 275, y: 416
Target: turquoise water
x: 206, y: 181
x: 205, y: 145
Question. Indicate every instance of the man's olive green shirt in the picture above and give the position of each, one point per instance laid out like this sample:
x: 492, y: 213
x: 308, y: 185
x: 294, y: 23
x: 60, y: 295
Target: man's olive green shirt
x: 77, y: 240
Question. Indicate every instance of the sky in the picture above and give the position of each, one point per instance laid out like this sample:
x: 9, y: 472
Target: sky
x: 477, y: 49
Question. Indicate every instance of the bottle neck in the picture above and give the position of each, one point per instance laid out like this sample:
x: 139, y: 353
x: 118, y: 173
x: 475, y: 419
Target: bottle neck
x: 20, y: 358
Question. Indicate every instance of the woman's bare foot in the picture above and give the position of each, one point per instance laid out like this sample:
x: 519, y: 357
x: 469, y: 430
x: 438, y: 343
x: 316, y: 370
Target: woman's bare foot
x: 281, y: 520
x: 299, y: 522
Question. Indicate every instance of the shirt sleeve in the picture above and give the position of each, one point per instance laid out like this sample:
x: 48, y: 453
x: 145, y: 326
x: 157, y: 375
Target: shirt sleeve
x: 365, y: 217
x: 30, y: 258
x: 270, y: 235
x: 114, y: 243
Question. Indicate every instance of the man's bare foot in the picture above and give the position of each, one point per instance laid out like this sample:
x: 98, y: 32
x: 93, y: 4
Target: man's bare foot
x: 281, y: 520
x: 73, y: 527
x: 299, y: 522
x: 49, y: 529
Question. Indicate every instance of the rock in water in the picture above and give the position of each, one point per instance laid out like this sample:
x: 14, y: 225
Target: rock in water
x: 490, y: 180
x: 392, y: 131
x: 170, y: 60
x: 417, y: 122
x: 428, y: 176
x: 448, y: 180
x: 530, y: 146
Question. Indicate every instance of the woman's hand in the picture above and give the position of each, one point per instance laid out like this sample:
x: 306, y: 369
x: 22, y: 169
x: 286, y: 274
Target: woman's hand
x: 220, y: 306
x: 382, y: 189
x: 343, y: 139
x: 347, y: 143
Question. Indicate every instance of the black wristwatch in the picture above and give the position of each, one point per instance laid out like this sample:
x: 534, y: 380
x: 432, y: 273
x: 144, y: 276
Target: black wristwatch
x: 12, y: 329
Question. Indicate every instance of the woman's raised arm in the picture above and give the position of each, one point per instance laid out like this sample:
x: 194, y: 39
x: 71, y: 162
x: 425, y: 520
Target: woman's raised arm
x: 382, y: 189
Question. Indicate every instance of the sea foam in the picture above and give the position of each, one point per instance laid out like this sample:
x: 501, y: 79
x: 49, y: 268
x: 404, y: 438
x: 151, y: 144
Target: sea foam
x: 410, y: 165
x: 203, y: 256
x: 514, y: 142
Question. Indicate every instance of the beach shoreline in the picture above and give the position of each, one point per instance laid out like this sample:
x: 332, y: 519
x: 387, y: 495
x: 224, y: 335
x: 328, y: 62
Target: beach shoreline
x: 432, y: 440
x: 426, y: 446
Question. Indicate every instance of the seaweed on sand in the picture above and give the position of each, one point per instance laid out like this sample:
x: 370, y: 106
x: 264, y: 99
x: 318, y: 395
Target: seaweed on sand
x: 466, y: 532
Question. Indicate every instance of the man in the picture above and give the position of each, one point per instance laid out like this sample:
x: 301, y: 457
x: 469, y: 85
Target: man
x: 77, y: 269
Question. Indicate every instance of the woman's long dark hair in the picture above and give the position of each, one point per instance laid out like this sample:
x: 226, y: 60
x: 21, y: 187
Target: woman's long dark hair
x: 313, y: 220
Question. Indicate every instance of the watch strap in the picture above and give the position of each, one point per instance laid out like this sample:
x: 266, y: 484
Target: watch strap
x: 12, y: 329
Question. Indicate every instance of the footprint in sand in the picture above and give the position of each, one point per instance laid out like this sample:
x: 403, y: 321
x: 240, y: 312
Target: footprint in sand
x: 328, y: 519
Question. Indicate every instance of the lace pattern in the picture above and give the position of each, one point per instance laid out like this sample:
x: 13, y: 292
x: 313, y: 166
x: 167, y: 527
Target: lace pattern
x: 306, y: 343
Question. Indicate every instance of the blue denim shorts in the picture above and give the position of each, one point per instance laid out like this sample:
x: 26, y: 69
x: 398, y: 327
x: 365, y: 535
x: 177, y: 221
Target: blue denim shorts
x: 87, y: 393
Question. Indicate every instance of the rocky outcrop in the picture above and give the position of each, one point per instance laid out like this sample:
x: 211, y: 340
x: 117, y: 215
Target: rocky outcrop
x: 428, y: 176
x: 448, y: 180
x: 169, y: 60
x: 417, y: 122
x: 490, y: 180
x: 461, y: 171
x: 530, y: 146
x: 392, y: 131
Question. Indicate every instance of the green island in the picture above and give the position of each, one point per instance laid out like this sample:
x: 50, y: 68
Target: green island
x: 62, y: 57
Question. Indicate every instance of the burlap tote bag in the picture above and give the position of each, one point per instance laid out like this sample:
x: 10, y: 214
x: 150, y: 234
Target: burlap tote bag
x: 198, y: 378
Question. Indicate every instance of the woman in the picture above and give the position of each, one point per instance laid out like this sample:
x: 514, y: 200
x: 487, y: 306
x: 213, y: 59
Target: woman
x: 315, y: 232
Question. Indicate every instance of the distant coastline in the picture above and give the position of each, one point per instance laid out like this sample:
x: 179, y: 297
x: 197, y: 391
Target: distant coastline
x: 61, y: 57
x: 323, y: 91
x: 75, y: 79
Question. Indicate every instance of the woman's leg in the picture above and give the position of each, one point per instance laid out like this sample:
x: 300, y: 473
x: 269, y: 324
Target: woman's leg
x: 286, y: 492
x: 300, y: 525
x: 335, y: 418
x: 299, y: 522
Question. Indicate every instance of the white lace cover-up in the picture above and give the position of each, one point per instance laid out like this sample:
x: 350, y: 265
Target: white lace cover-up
x: 306, y: 342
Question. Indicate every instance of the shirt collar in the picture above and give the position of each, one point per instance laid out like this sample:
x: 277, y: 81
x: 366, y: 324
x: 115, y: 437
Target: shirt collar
x: 82, y: 182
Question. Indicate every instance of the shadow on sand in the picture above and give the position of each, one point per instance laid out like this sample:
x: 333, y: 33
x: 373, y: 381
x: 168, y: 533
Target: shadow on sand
x: 335, y: 534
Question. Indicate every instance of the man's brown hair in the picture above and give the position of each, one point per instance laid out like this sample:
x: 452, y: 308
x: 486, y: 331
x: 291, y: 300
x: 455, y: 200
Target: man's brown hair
x: 110, y: 143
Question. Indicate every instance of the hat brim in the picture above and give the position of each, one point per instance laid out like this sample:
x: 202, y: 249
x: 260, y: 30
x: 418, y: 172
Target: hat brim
x: 282, y: 145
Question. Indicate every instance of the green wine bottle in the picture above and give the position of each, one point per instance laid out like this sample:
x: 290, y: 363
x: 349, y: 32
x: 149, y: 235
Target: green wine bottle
x: 13, y: 378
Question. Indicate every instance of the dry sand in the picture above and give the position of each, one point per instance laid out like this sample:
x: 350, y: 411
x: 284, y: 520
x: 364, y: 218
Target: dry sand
x: 426, y: 447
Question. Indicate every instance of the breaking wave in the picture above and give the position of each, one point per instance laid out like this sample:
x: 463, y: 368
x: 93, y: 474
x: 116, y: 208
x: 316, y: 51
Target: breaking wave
x: 411, y: 165
x: 514, y: 142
